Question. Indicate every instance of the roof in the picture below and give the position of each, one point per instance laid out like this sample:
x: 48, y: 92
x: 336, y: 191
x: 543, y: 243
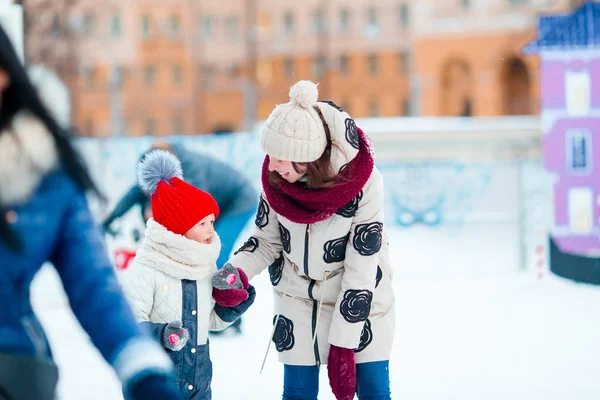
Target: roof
x: 579, y: 29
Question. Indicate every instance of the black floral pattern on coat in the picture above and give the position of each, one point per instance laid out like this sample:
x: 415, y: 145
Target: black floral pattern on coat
x: 276, y: 270
x: 286, y: 239
x: 349, y: 210
x: 379, y: 276
x: 283, y: 337
x: 356, y: 305
x: 367, y: 238
x: 250, y: 246
x: 352, y: 133
x: 366, y: 337
x: 262, y: 215
x: 332, y: 104
x: 335, y: 250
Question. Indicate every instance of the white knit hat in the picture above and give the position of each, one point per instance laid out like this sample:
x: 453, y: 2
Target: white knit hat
x: 294, y: 131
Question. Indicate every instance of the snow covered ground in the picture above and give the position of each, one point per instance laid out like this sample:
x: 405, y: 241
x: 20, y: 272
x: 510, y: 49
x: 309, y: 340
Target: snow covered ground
x: 470, y: 326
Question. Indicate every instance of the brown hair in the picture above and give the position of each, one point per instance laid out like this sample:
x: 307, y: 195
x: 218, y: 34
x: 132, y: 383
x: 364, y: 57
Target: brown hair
x: 319, y: 173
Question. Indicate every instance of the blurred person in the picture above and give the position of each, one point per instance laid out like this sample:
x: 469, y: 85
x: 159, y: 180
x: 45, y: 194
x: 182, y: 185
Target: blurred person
x: 320, y: 233
x: 170, y: 282
x: 44, y: 217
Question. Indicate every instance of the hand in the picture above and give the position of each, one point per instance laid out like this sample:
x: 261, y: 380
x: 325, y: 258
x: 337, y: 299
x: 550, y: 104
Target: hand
x: 154, y: 387
x: 225, y: 292
x: 174, y: 336
x: 341, y: 369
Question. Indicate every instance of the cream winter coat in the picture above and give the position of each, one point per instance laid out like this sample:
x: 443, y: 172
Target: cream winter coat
x: 153, y: 281
x: 336, y: 271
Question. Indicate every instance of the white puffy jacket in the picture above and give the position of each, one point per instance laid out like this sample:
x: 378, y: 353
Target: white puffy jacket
x: 153, y: 281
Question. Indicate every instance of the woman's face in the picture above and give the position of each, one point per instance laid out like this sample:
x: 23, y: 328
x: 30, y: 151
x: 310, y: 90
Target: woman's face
x: 286, y: 169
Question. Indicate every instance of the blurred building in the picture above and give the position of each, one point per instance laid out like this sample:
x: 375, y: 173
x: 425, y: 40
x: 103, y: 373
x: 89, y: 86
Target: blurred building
x: 149, y: 67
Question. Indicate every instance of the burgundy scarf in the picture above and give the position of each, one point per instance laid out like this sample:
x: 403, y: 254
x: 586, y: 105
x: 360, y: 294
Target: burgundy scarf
x: 304, y: 206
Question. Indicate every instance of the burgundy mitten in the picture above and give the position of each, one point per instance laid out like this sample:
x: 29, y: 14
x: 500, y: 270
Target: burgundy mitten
x: 341, y: 369
x: 230, y: 286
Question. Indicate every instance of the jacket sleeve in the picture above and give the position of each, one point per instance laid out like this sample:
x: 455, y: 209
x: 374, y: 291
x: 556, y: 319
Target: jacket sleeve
x: 133, y: 197
x: 264, y: 246
x: 353, y: 304
x: 139, y: 290
x: 95, y: 296
x: 221, y: 317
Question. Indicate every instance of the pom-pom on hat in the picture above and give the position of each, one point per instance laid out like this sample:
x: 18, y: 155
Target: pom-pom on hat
x: 176, y: 205
x: 294, y: 131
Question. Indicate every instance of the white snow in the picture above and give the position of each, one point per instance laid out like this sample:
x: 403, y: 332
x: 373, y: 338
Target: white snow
x: 470, y: 326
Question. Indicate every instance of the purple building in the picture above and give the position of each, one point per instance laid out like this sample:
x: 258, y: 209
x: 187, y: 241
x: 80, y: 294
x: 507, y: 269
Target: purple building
x: 569, y: 49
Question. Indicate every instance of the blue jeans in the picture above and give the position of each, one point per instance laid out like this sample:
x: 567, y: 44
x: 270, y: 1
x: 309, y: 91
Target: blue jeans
x: 229, y: 228
x: 302, y: 382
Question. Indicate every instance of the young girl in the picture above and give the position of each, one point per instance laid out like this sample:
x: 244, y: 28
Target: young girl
x: 319, y: 230
x: 173, y: 278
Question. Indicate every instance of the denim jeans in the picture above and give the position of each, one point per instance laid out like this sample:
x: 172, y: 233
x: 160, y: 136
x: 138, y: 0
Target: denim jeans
x: 302, y: 382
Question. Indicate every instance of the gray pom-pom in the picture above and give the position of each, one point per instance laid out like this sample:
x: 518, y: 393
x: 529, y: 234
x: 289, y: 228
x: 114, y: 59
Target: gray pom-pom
x: 158, y: 165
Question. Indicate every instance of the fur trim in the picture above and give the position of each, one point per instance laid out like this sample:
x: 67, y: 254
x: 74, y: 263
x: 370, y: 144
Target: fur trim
x: 27, y: 154
x: 176, y: 255
x: 158, y: 165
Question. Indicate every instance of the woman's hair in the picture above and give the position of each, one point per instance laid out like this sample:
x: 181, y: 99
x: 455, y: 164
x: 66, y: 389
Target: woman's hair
x: 319, y: 173
x: 20, y: 95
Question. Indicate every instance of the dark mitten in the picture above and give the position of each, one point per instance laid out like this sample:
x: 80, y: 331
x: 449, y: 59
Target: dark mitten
x: 341, y: 369
x: 230, y: 286
x: 155, y: 387
x: 174, y: 336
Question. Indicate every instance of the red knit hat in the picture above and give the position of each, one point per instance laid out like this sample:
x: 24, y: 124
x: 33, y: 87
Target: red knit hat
x: 176, y: 205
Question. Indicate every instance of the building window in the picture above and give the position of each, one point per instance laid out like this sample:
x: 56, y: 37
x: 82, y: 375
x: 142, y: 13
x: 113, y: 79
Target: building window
x: 466, y: 4
x: 372, y: 17
x: 115, y: 26
x: 403, y: 60
x: 207, y: 74
x: 578, y: 92
x: 404, y: 17
x: 174, y: 26
x: 149, y: 74
x: 117, y: 77
x: 344, y: 65
x: 56, y: 25
x: 150, y: 127
x: 344, y: 23
x: 289, y: 25
x: 207, y: 27
x: 373, y: 64
x: 373, y: 109
x: 518, y: 2
x: 232, y: 25
x: 319, y: 66
x: 579, y: 151
x: 177, y: 75
x: 288, y: 67
x: 318, y: 21
x: 405, y: 108
x: 146, y: 26
x: 87, y: 24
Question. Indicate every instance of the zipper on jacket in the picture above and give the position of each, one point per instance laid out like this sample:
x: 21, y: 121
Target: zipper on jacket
x: 315, y: 304
x: 315, y: 308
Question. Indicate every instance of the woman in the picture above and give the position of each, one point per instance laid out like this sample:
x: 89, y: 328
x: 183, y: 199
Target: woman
x: 44, y: 216
x: 319, y: 229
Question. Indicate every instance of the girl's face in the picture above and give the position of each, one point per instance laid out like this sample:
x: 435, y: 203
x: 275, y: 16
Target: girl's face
x: 203, y: 231
x: 286, y: 169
